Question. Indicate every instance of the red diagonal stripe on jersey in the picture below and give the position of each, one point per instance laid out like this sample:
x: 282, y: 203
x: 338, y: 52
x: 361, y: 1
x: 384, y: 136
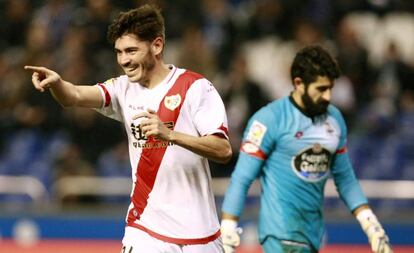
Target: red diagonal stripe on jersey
x: 151, y: 158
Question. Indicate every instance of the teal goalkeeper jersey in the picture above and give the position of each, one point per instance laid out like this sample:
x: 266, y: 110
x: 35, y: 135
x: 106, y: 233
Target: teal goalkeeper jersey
x: 293, y: 155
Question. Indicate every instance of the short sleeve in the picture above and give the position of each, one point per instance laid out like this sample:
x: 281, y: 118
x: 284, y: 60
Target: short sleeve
x: 257, y: 138
x: 110, y: 106
x: 207, y: 109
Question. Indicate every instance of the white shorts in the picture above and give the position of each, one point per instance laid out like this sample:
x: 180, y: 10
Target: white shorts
x: 137, y: 241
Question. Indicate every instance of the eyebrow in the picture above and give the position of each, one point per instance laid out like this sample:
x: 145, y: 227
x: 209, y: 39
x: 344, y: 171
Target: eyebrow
x: 325, y: 85
x: 126, y: 49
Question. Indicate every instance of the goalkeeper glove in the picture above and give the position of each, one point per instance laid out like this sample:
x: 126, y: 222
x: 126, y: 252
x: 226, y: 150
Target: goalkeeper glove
x: 230, y: 234
x: 376, y: 235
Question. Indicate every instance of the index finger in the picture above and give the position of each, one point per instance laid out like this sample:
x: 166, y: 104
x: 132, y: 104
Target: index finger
x: 35, y: 68
x: 141, y: 115
x: 151, y: 111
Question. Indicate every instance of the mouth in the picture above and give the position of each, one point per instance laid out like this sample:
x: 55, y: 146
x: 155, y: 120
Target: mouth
x: 130, y: 70
x: 324, y: 104
x: 134, y: 73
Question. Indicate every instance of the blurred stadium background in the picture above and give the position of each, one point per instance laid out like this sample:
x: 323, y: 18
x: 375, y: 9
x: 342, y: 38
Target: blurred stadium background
x: 64, y: 173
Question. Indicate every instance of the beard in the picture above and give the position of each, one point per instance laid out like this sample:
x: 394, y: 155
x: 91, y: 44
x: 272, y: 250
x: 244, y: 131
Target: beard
x: 147, y: 65
x: 314, y: 108
x: 143, y: 68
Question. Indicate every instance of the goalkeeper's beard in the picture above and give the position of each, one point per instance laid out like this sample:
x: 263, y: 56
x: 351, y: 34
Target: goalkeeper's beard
x: 314, y: 108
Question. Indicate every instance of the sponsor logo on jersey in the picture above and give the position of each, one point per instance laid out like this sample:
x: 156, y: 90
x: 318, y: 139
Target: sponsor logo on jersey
x: 256, y: 133
x: 141, y: 139
x: 172, y: 102
x: 312, y: 164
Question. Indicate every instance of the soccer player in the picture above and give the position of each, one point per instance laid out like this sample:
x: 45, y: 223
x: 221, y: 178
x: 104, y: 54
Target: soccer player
x: 175, y: 120
x: 293, y: 145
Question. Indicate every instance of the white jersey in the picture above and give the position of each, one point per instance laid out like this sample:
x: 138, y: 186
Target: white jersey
x: 171, y: 198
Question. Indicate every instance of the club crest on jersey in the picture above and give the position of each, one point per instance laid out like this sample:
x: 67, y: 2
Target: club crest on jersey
x: 329, y: 128
x: 256, y: 133
x: 312, y: 164
x: 172, y: 102
x: 298, y: 134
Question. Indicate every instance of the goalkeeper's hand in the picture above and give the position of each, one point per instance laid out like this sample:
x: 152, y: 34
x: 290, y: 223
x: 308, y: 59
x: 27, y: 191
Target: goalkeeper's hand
x: 230, y: 234
x: 376, y: 235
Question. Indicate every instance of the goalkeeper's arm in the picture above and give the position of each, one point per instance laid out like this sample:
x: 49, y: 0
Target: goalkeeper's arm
x: 376, y: 235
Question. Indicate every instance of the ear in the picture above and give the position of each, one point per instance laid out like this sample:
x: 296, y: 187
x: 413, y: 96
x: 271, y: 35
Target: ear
x: 157, y: 45
x: 299, y: 85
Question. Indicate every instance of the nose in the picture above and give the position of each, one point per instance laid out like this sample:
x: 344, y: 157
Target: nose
x: 327, y: 95
x: 123, y: 59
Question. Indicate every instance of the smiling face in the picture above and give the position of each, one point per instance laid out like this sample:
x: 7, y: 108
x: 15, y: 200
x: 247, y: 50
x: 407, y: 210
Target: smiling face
x: 316, y: 96
x: 136, y: 58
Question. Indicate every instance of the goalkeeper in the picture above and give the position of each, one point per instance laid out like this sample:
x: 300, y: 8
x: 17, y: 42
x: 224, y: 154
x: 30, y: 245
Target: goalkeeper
x: 293, y: 145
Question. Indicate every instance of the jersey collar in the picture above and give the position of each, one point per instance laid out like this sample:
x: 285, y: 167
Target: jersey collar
x: 304, y: 112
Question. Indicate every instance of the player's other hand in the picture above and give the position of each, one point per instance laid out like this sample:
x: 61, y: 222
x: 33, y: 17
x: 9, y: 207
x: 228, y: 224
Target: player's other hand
x: 43, y: 78
x: 230, y: 235
x: 379, y: 240
x: 151, y: 125
x: 376, y: 235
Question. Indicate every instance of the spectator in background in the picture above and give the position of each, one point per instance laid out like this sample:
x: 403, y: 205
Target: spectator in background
x: 114, y: 162
x: 405, y: 133
x: 353, y: 59
x: 37, y: 44
x: 175, y: 120
x: 97, y: 17
x: 91, y: 133
x: 94, y: 21
x: 195, y: 52
x: 15, y: 21
x: 392, y: 76
x: 268, y: 19
x: 71, y: 163
x: 56, y: 16
x: 220, y: 30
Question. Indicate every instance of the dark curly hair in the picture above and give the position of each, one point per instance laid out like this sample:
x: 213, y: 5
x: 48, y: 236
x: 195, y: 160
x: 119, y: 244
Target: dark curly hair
x: 146, y: 22
x: 311, y: 62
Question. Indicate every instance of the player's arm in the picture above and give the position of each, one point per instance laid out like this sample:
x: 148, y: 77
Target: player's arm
x: 64, y: 92
x: 247, y: 170
x: 213, y: 147
x: 351, y: 193
x: 257, y: 143
x: 372, y: 227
